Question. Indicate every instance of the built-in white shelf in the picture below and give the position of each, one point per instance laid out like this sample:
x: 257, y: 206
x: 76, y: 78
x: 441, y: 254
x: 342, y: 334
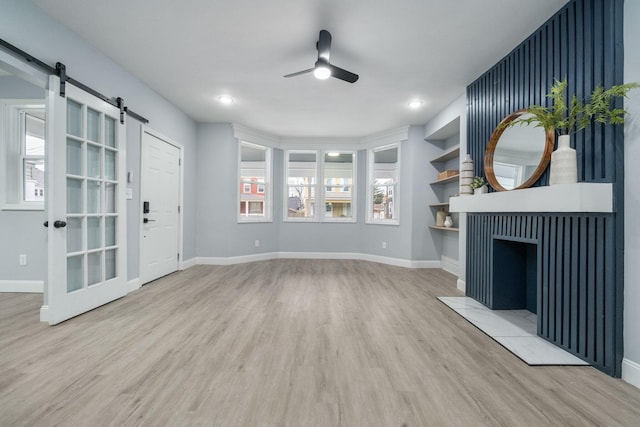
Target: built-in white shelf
x: 580, y: 197
x: 435, y: 227
x: 447, y: 180
x: 450, y: 154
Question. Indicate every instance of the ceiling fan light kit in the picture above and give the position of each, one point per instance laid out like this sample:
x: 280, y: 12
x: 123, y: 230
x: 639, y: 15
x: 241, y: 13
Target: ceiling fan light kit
x: 323, y: 69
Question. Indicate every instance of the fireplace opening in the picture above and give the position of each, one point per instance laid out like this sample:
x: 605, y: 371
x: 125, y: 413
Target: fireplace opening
x: 515, y: 277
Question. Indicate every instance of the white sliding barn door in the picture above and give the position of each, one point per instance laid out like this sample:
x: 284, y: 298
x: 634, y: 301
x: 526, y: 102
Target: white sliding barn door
x: 86, y: 204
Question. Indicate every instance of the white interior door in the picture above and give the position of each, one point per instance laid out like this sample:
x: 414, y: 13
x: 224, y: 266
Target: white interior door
x: 86, y: 205
x: 160, y: 195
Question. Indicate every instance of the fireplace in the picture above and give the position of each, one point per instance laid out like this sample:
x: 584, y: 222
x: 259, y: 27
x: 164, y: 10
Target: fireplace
x: 515, y: 277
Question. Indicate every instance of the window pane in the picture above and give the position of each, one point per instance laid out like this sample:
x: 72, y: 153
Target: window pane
x: 338, y: 183
x: 253, y: 178
x: 34, y: 138
x: 33, y: 180
x: 301, y: 202
x: 384, y: 176
x: 383, y: 191
x: 302, y: 169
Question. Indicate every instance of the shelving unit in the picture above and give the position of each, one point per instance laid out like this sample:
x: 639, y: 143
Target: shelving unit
x: 446, y: 156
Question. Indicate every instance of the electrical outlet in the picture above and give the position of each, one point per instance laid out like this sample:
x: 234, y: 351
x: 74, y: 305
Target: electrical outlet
x: 384, y: 245
x: 23, y: 259
x: 257, y: 243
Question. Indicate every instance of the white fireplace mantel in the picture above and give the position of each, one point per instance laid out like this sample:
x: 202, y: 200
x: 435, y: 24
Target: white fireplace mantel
x: 580, y: 197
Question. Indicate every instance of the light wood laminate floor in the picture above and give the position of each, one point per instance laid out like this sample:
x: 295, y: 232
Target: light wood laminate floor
x: 286, y: 343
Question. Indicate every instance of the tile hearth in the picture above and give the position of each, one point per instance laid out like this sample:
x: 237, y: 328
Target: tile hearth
x: 513, y: 329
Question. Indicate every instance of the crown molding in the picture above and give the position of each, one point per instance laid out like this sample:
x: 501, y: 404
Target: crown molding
x: 245, y: 133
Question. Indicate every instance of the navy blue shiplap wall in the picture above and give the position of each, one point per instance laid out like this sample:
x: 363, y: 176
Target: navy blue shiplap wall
x: 580, y: 265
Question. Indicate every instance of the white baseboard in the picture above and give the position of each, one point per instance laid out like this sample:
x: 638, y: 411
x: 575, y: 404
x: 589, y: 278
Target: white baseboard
x: 462, y: 286
x: 31, y: 286
x: 317, y: 255
x: 133, y: 285
x: 236, y: 259
x: 449, y: 264
x: 631, y: 372
x: 44, y: 313
x: 188, y: 263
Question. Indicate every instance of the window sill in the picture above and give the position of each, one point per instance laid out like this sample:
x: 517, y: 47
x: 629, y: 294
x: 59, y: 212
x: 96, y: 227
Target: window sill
x: 23, y: 207
x: 254, y: 221
x: 391, y: 222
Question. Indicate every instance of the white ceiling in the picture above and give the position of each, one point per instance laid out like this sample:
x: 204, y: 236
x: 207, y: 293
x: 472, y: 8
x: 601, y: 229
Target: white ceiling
x: 191, y: 51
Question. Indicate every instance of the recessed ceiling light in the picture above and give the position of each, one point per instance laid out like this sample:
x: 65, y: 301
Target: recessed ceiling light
x: 416, y: 103
x: 225, y: 99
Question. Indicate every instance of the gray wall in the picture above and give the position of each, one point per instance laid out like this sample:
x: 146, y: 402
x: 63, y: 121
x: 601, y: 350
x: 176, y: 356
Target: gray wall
x: 632, y: 194
x: 220, y: 235
x: 27, y: 27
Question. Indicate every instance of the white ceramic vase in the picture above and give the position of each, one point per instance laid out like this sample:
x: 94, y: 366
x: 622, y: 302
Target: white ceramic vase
x: 466, y: 176
x: 480, y: 190
x: 564, y: 166
x: 448, y: 222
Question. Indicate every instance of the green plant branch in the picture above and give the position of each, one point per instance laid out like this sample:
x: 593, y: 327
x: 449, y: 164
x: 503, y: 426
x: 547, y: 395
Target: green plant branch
x: 577, y: 114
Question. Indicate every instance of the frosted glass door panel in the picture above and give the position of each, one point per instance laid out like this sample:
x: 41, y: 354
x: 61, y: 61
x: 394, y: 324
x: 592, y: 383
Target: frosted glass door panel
x: 93, y: 125
x: 110, y: 264
x: 93, y: 197
x: 74, y: 235
x: 94, y: 268
x: 74, y: 157
x: 75, y: 273
x: 74, y: 118
x: 110, y: 132
x: 110, y: 190
x: 94, y: 233
x: 110, y: 165
x: 110, y: 231
x: 74, y: 195
x: 94, y: 162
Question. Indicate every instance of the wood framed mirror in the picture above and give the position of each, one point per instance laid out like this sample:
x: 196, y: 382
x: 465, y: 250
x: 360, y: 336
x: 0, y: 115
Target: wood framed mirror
x: 517, y: 156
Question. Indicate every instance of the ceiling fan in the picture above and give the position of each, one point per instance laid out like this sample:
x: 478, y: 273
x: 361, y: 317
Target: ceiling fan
x: 323, y: 69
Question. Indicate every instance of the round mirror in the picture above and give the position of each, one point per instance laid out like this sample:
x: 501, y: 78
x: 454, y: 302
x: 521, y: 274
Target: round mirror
x: 517, y: 156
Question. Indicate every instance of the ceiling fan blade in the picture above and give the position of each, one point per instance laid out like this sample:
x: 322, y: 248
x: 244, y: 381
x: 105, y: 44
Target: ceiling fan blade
x: 299, y: 72
x: 324, y: 45
x: 341, y: 74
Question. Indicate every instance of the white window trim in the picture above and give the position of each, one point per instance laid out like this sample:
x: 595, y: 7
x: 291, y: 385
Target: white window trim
x: 319, y: 214
x: 354, y: 188
x: 285, y: 193
x: 369, y: 219
x: 11, y: 134
x: 268, y: 185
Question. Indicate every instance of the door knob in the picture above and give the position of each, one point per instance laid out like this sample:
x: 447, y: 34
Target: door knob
x: 146, y: 220
x: 59, y: 224
x: 46, y: 224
